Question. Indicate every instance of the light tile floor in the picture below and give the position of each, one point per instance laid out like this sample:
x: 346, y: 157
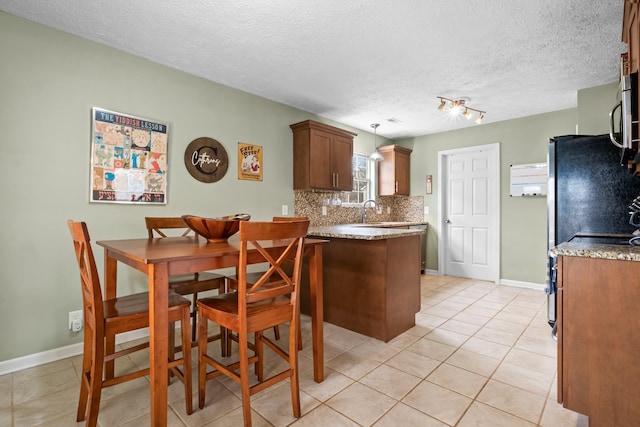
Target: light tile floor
x: 479, y: 355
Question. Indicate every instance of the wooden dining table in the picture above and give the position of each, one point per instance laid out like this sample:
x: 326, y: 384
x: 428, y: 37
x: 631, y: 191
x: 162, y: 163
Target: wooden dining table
x: 160, y: 258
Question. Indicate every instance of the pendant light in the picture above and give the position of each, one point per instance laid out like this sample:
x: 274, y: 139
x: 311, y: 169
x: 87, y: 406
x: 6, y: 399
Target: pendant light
x: 375, y: 156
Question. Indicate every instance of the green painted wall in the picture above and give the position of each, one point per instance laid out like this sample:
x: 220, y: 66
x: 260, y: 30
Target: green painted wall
x: 594, y: 106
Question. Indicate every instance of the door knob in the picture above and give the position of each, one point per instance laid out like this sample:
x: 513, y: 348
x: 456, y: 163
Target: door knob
x: 448, y: 221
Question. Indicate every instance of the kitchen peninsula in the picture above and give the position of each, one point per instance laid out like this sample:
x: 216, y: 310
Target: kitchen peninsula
x: 371, y: 276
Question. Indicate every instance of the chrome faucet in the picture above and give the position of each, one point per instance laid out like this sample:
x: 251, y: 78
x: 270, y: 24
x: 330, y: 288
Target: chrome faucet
x: 364, y: 209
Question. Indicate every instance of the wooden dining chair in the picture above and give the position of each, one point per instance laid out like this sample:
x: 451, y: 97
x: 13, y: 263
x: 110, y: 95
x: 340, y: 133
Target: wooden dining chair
x: 270, y: 301
x: 105, y: 319
x: 253, y: 277
x: 189, y: 284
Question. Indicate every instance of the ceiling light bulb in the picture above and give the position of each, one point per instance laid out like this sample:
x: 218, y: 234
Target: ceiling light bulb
x: 467, y: 114
x: 479, y: 119
x: 442, y: 105
x: 375, y: 156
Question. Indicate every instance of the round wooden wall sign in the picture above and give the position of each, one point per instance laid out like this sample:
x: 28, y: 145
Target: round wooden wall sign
x: 206, y: 159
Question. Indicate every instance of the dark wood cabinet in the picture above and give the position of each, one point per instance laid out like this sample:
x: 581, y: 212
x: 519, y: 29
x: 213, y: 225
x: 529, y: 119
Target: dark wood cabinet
x: 394, y: 173
x: 599, y: 339
x: 631, y: 36
x: 322, y: 157
x: 630, y: 63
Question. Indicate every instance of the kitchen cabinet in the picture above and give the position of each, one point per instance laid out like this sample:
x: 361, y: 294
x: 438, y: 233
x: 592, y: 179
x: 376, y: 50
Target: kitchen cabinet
x: 631, y: 36
x: 599, y: 339
x: 394, y: 171
x: 322, y: 157
x: 630, y: 63
x: 369, y: 286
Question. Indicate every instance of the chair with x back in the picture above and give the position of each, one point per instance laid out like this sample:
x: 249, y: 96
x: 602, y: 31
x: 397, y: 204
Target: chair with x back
x: 232, y: 285
x: 190, y: 284
x: 270, y: 301
x: 107, y: 318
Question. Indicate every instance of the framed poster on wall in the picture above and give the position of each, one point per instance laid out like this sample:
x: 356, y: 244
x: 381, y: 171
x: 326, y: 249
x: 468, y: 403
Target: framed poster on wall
x: 249, y: 162
x: 128, y: 158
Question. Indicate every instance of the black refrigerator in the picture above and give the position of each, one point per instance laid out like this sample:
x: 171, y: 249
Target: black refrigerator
x: 588, y: 197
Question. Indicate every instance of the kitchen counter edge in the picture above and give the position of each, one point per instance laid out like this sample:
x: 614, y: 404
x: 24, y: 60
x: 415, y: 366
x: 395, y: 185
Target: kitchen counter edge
x: 367, y: 231
x: 595, y: 250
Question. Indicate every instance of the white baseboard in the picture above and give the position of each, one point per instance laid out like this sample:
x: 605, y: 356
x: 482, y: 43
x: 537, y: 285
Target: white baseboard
x: 31, y: 360
x: 528, y: 285
x: 505, y: 282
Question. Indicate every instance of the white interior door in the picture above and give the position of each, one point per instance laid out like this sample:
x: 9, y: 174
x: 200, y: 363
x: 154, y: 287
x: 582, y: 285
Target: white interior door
x: 469, y: 212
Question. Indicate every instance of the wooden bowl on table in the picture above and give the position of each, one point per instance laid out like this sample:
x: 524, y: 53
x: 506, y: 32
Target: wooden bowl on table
x: 215, y: 229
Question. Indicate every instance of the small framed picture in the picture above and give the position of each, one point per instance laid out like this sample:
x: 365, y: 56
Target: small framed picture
x: 249, y: 162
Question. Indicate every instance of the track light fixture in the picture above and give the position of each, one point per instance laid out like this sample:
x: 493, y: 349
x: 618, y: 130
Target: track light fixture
x: 457, y: 105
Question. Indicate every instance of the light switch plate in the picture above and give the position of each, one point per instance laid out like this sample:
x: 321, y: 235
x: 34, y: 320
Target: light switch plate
x: 285, y: 210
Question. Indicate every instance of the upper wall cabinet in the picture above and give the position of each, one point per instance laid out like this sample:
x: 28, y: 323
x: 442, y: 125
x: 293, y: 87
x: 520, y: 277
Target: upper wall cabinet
x: 631, y: 36
x: 394, y: 171
x: 322, y: 157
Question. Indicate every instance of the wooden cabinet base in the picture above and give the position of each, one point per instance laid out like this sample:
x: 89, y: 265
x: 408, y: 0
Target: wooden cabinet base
x: 599, y: 340
x: 371, y: 286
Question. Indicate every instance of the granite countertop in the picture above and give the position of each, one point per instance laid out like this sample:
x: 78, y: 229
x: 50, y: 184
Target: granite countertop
x: 375, y: 231
x: 597, y: 250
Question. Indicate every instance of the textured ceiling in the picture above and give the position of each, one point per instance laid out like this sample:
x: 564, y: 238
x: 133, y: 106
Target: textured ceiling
x: 364, y: 61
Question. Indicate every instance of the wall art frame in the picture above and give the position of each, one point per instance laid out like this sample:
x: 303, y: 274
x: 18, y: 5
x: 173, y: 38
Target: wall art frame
x: 206, y: 159
x: 249, y: 162
x: 128, y: 158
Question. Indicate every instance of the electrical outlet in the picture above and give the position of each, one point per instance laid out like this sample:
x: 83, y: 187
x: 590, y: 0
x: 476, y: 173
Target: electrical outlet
x: 76, y: 321
x: 324, y: 211
x: 285, y: 210
x: 378, y: 209
x: 426, y: 210
x: 388, y: 210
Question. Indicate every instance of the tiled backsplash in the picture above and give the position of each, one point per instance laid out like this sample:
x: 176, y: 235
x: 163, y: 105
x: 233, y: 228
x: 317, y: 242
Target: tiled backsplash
x: 402, y: 208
